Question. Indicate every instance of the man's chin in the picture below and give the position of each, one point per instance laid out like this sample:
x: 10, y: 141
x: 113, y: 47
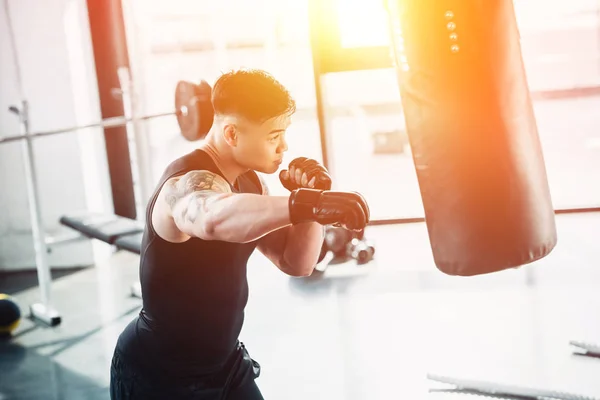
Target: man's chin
x: 269, y: 170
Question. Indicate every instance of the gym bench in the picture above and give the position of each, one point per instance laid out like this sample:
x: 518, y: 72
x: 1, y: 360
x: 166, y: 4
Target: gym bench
x: 122, y: 233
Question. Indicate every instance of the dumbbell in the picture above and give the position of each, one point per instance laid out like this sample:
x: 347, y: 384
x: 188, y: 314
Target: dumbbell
x: 346, y: 244
x: 360, y: 250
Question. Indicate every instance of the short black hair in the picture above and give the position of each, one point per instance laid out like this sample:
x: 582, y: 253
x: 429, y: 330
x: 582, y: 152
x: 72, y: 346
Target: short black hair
x: 253, y: 94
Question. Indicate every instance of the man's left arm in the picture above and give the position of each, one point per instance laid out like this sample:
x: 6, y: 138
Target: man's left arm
x: 294, y: 249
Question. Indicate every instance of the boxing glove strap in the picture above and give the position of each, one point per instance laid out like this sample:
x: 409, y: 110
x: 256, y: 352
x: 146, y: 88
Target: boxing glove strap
x: 302, y: 203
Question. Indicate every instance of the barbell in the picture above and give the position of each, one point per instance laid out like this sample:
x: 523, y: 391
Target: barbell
x: 193, y: 109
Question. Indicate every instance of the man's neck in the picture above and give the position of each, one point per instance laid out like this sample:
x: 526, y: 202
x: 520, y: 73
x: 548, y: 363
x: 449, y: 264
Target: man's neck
x: 225, y: 163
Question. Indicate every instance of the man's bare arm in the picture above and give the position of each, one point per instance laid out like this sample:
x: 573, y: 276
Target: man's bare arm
x: 293, y: 249
x: 201, y: 204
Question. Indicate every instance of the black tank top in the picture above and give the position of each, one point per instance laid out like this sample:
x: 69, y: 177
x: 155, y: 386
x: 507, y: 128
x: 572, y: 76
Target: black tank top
x: 194, y: 293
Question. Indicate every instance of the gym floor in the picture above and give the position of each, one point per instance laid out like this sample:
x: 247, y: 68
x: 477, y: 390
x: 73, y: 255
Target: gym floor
x: 367, y: 332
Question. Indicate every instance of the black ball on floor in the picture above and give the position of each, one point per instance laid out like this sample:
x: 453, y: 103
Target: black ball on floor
x: 10, y: 315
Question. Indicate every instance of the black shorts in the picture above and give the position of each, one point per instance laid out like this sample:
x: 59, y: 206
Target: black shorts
x: 234, y: 382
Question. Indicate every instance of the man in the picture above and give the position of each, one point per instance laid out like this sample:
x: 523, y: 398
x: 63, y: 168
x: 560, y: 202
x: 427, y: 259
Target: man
x: 209, y: 212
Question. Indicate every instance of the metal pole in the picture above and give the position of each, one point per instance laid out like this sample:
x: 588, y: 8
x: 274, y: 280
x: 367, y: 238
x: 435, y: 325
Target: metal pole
x: 42, y: 311
x: 315, y: 32
x: 140, y: 147
x: 106, y: 123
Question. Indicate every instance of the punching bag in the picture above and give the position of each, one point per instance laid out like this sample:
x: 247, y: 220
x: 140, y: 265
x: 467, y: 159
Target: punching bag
x: 473, y: 134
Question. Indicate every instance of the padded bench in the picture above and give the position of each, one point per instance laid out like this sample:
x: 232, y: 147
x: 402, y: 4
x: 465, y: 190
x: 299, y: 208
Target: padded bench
x: 123, y: 233
x: 132, y: 243
x: 107, y: 228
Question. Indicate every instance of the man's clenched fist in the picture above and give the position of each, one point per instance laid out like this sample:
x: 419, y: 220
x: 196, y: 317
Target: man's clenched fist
x: 305, y: 173
x: 346, y: 209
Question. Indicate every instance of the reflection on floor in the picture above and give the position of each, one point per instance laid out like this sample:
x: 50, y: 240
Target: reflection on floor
x: 370, y: 332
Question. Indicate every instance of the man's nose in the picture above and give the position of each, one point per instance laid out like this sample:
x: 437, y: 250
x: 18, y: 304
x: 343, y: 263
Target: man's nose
x: 283, y: 147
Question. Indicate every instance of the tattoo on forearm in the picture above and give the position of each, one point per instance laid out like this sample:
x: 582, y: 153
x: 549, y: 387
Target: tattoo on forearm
x: 171, y: 194
x: 191, y: 211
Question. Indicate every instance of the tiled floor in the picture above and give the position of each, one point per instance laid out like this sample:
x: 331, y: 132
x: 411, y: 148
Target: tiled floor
x: 370, y: 332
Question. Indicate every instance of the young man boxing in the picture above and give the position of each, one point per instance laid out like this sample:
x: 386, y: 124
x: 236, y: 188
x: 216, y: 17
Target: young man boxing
x: 209, y: 212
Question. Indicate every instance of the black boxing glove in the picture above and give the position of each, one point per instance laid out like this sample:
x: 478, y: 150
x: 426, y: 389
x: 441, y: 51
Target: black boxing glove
x: 292, y: 178
x: 346, y: 209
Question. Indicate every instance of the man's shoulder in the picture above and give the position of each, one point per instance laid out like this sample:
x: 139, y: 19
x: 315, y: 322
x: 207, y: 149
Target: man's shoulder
x: 194, y: 160
x: 190, y: 157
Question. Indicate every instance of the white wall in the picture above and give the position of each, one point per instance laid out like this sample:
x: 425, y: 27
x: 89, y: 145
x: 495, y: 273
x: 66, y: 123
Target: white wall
x: 54, y: 51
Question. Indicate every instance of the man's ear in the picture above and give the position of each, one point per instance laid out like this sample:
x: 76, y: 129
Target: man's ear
x: 230, y: 134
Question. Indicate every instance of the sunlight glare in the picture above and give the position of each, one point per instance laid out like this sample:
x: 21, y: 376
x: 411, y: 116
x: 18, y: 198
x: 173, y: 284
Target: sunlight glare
x: 363, y: 23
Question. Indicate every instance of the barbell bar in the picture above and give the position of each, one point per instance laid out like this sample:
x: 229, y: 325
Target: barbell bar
x: 193, y: 109
x: 105, y: 123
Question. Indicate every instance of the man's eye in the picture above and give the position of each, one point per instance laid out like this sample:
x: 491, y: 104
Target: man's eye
x: 274, y: 138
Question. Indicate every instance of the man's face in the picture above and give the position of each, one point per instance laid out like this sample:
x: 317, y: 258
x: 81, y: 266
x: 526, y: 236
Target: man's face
x: 261, y: 146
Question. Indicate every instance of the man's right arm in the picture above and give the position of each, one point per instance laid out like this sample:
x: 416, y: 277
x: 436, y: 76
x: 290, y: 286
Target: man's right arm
x: 201, y: 204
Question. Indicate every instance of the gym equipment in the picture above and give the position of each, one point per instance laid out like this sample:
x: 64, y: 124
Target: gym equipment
x: 123, y: 233
x: 345, y: 245
x: 473, y: 134
x: 10, y: 315
x: 194, y: 113
x: 131, y: 242
x: 107, y: 228
x: 502, y: 391
x: 194, y: 122
x: 586, y: 349
x: 360, y: 250
x: 475, y: 144
x: 193, y: 109
x: 336, y: 240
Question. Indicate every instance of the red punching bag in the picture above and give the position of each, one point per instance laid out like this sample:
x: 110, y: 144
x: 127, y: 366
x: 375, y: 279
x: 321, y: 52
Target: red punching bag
x: 473, y: 134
